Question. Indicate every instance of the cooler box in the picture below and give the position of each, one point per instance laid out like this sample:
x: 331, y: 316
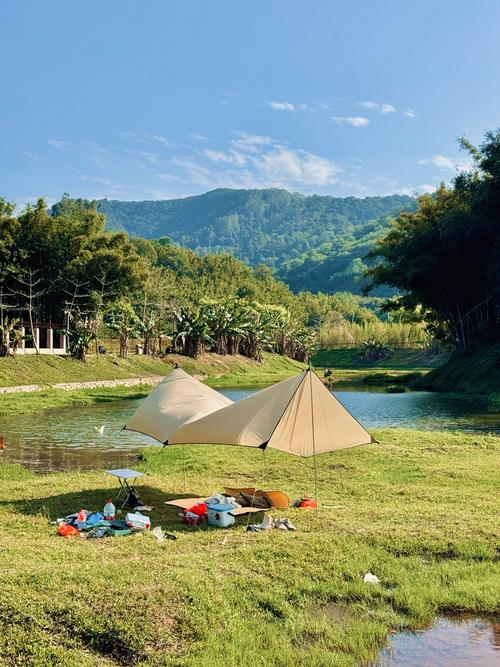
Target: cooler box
x: 220, y: 515
x: 137, y: 521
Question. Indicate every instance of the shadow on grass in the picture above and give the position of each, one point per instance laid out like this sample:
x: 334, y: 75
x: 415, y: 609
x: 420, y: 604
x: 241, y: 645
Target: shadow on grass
x: 63, y: 504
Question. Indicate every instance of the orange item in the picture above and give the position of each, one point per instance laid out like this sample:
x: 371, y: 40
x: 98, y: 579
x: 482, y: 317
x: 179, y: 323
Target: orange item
x: 307, y: 503
x: 67, y: 531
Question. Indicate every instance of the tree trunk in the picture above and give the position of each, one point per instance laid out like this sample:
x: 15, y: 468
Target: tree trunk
x: 124, y: 347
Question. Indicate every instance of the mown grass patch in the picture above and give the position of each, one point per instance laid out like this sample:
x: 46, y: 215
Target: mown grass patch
x: 419, y: 510
x: 215, y: 370
x: 48, y: 370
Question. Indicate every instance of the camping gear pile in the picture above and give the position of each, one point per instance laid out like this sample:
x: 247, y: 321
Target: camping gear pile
x: 217, y: 510
x: 221, y: 509
x: 105, y: 524
x: 101, y: 524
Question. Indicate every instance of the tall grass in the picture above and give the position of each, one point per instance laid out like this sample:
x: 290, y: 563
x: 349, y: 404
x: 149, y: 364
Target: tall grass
x: 394, y: 334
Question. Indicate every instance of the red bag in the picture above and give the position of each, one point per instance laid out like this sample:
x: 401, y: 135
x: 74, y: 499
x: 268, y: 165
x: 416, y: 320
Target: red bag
x: 201, y: 509
x: 307, y: 503
x: 64, y: 530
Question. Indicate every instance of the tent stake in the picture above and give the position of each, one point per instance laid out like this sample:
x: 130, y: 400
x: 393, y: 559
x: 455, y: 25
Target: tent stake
x: 313, y: 442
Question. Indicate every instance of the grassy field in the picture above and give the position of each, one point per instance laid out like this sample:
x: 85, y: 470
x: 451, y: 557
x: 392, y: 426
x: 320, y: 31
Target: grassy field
x: 48, y: 370
x: 216, y: 370
x: 419, y: 510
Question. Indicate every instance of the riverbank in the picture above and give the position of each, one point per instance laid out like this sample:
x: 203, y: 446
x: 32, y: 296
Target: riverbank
x: 473, y: 374
x: 138, y: 373
x: 418, y: 510
x: 402, y: 368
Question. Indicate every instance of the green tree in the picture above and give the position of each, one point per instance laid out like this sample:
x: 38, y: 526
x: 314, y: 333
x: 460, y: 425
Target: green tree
x: 124, y: 322
x: 446, y: 255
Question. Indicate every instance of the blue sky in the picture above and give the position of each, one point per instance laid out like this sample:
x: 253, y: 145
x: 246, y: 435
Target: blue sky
x: 158, y: 99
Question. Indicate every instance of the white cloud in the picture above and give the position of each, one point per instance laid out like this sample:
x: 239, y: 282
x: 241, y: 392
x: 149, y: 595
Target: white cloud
x: 246, y: 139
x: 281, y: 106
x: 100, y: 156
x: 199, y: 137
x: 228, y: 97
x: 168, y: 177
x: 355, y: 121
x: 376, y: 106
x: 387, y: 108
x: 143, y: 156
x: 63, y: 146
x: 445, y: 163
x: 35, y: 157
x: 410, y: 113
x: 110, y: 186
x: 257, y: 161
x: 427, y: 188
x: 145, y: 138
x: 414, y: 190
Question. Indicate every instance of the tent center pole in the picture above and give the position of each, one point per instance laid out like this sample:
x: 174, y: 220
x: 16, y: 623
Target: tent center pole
x: 313, y: 441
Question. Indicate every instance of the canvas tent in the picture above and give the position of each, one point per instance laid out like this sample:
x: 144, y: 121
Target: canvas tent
x: 299, y: 416
x: 177, y: 400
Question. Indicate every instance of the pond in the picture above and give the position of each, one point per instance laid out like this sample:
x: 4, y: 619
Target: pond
x: 462, y: 642
x: 66, y: 438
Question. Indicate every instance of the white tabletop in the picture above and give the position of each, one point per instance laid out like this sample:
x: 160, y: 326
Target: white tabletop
x: 126, y: 473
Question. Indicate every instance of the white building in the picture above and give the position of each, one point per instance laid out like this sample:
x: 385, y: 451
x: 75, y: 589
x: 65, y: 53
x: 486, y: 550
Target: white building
x: 47, y: 338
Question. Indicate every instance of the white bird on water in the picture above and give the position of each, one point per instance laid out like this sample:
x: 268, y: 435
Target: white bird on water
x: 100, y: 430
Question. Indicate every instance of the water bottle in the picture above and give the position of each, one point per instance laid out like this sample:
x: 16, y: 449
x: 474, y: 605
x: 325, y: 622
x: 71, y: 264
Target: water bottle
x: 109, y: 510
x: 81, y: 519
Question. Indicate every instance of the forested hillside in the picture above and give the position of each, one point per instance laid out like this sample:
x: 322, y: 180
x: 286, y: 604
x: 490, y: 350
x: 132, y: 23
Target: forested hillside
x: 311, y: 242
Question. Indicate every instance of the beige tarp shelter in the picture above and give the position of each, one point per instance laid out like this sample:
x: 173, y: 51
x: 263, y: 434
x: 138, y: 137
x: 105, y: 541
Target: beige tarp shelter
x: 298, y: 415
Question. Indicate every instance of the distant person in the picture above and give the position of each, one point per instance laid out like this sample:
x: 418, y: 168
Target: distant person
x: 328, y: 373
x: 102, y: 349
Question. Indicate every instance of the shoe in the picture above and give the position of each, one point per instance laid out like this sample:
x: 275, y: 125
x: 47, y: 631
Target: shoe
x: 252, y: 529
x: 267, y: 523
x: 280, y: 524
x: 288, y: 524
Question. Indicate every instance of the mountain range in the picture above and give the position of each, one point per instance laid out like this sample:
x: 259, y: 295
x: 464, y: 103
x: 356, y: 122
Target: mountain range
x: 311, y: 242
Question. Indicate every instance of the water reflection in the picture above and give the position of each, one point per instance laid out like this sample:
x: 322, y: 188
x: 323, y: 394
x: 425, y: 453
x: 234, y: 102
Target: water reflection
x: 69, y: 438
x: 473, y: 642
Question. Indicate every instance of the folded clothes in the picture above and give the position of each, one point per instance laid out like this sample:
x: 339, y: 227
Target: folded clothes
x: 222, y: 499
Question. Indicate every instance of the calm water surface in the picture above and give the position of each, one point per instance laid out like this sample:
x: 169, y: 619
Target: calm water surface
x: 68, y: 438
x: 448, y: 643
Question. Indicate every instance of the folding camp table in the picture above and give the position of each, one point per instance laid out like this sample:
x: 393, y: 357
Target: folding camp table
x: 124, y: 475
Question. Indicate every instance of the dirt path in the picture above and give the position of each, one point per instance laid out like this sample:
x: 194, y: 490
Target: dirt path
x: 69, y: 386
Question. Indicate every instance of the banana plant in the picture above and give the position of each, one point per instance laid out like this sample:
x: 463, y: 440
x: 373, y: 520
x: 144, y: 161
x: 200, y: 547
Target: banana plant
x: 193, y: 331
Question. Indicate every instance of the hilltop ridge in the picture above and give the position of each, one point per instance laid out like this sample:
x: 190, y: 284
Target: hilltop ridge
x: 313, y: 242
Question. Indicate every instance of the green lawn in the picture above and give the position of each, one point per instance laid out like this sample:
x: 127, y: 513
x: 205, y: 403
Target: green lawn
x: 419, y: 510
x: 215, y: 370
x: 47, y: 370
